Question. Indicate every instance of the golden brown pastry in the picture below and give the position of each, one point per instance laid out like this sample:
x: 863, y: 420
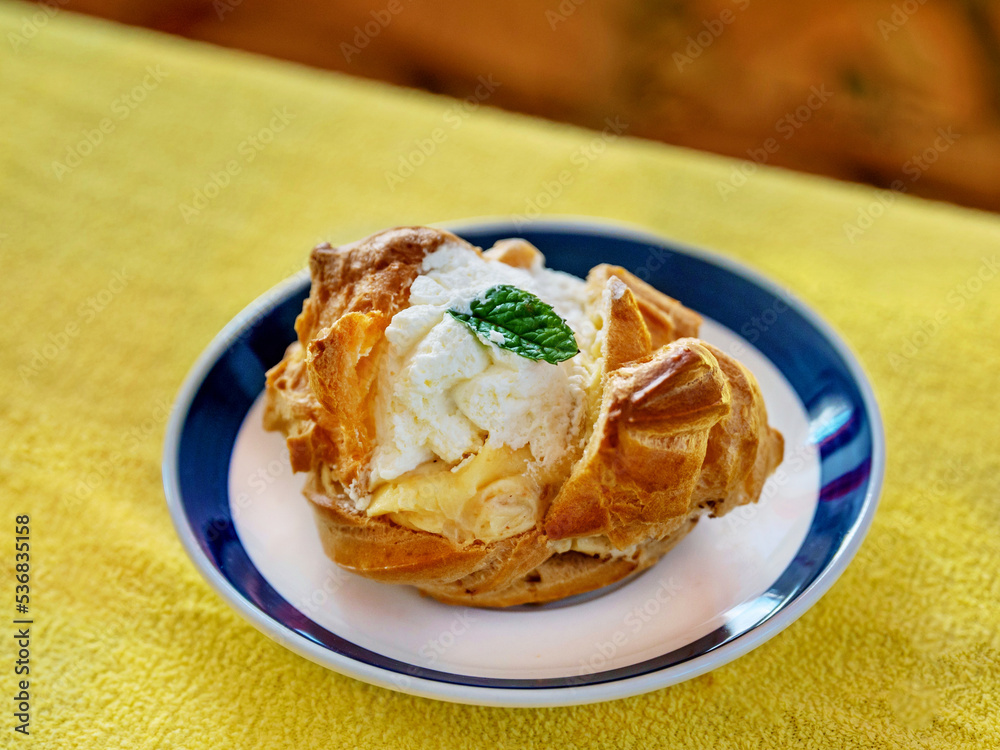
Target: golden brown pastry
x: 441, y: 457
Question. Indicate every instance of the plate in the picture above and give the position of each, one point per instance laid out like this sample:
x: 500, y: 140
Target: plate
x: 730, y: 585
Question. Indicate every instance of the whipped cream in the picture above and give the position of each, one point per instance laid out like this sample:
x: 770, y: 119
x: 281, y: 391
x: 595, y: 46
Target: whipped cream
x: 443, y: 393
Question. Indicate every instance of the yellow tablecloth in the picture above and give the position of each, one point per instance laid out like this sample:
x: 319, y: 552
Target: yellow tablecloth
x: 150, y: 188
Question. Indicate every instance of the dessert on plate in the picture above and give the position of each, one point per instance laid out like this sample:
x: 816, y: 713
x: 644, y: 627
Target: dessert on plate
x: 497, y: 433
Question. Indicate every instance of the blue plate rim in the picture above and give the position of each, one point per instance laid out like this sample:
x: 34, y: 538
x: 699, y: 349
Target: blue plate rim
x: 546, y: 696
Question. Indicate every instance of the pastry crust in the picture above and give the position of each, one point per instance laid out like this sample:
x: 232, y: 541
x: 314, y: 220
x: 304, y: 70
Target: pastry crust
x: 560, y: 576
x: 319, y: 394
x: 677, y: 428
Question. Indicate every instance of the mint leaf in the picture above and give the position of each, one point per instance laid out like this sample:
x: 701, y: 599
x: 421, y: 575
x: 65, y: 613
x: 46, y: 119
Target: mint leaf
x: 526, y: 325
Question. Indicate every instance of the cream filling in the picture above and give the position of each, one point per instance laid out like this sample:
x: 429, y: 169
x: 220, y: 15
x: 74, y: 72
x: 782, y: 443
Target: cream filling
x: 466, y: 431
x: 597, y: 546
x: 487, y: 497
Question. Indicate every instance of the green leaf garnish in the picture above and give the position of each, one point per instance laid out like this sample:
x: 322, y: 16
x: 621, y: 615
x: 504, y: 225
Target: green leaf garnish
x: 526, y: 325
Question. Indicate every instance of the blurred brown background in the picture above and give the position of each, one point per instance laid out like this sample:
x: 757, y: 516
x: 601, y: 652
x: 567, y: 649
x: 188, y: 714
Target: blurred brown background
x: 900, y: 93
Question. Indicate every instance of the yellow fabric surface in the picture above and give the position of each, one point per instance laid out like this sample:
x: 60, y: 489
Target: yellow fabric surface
x: 109, y: 290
